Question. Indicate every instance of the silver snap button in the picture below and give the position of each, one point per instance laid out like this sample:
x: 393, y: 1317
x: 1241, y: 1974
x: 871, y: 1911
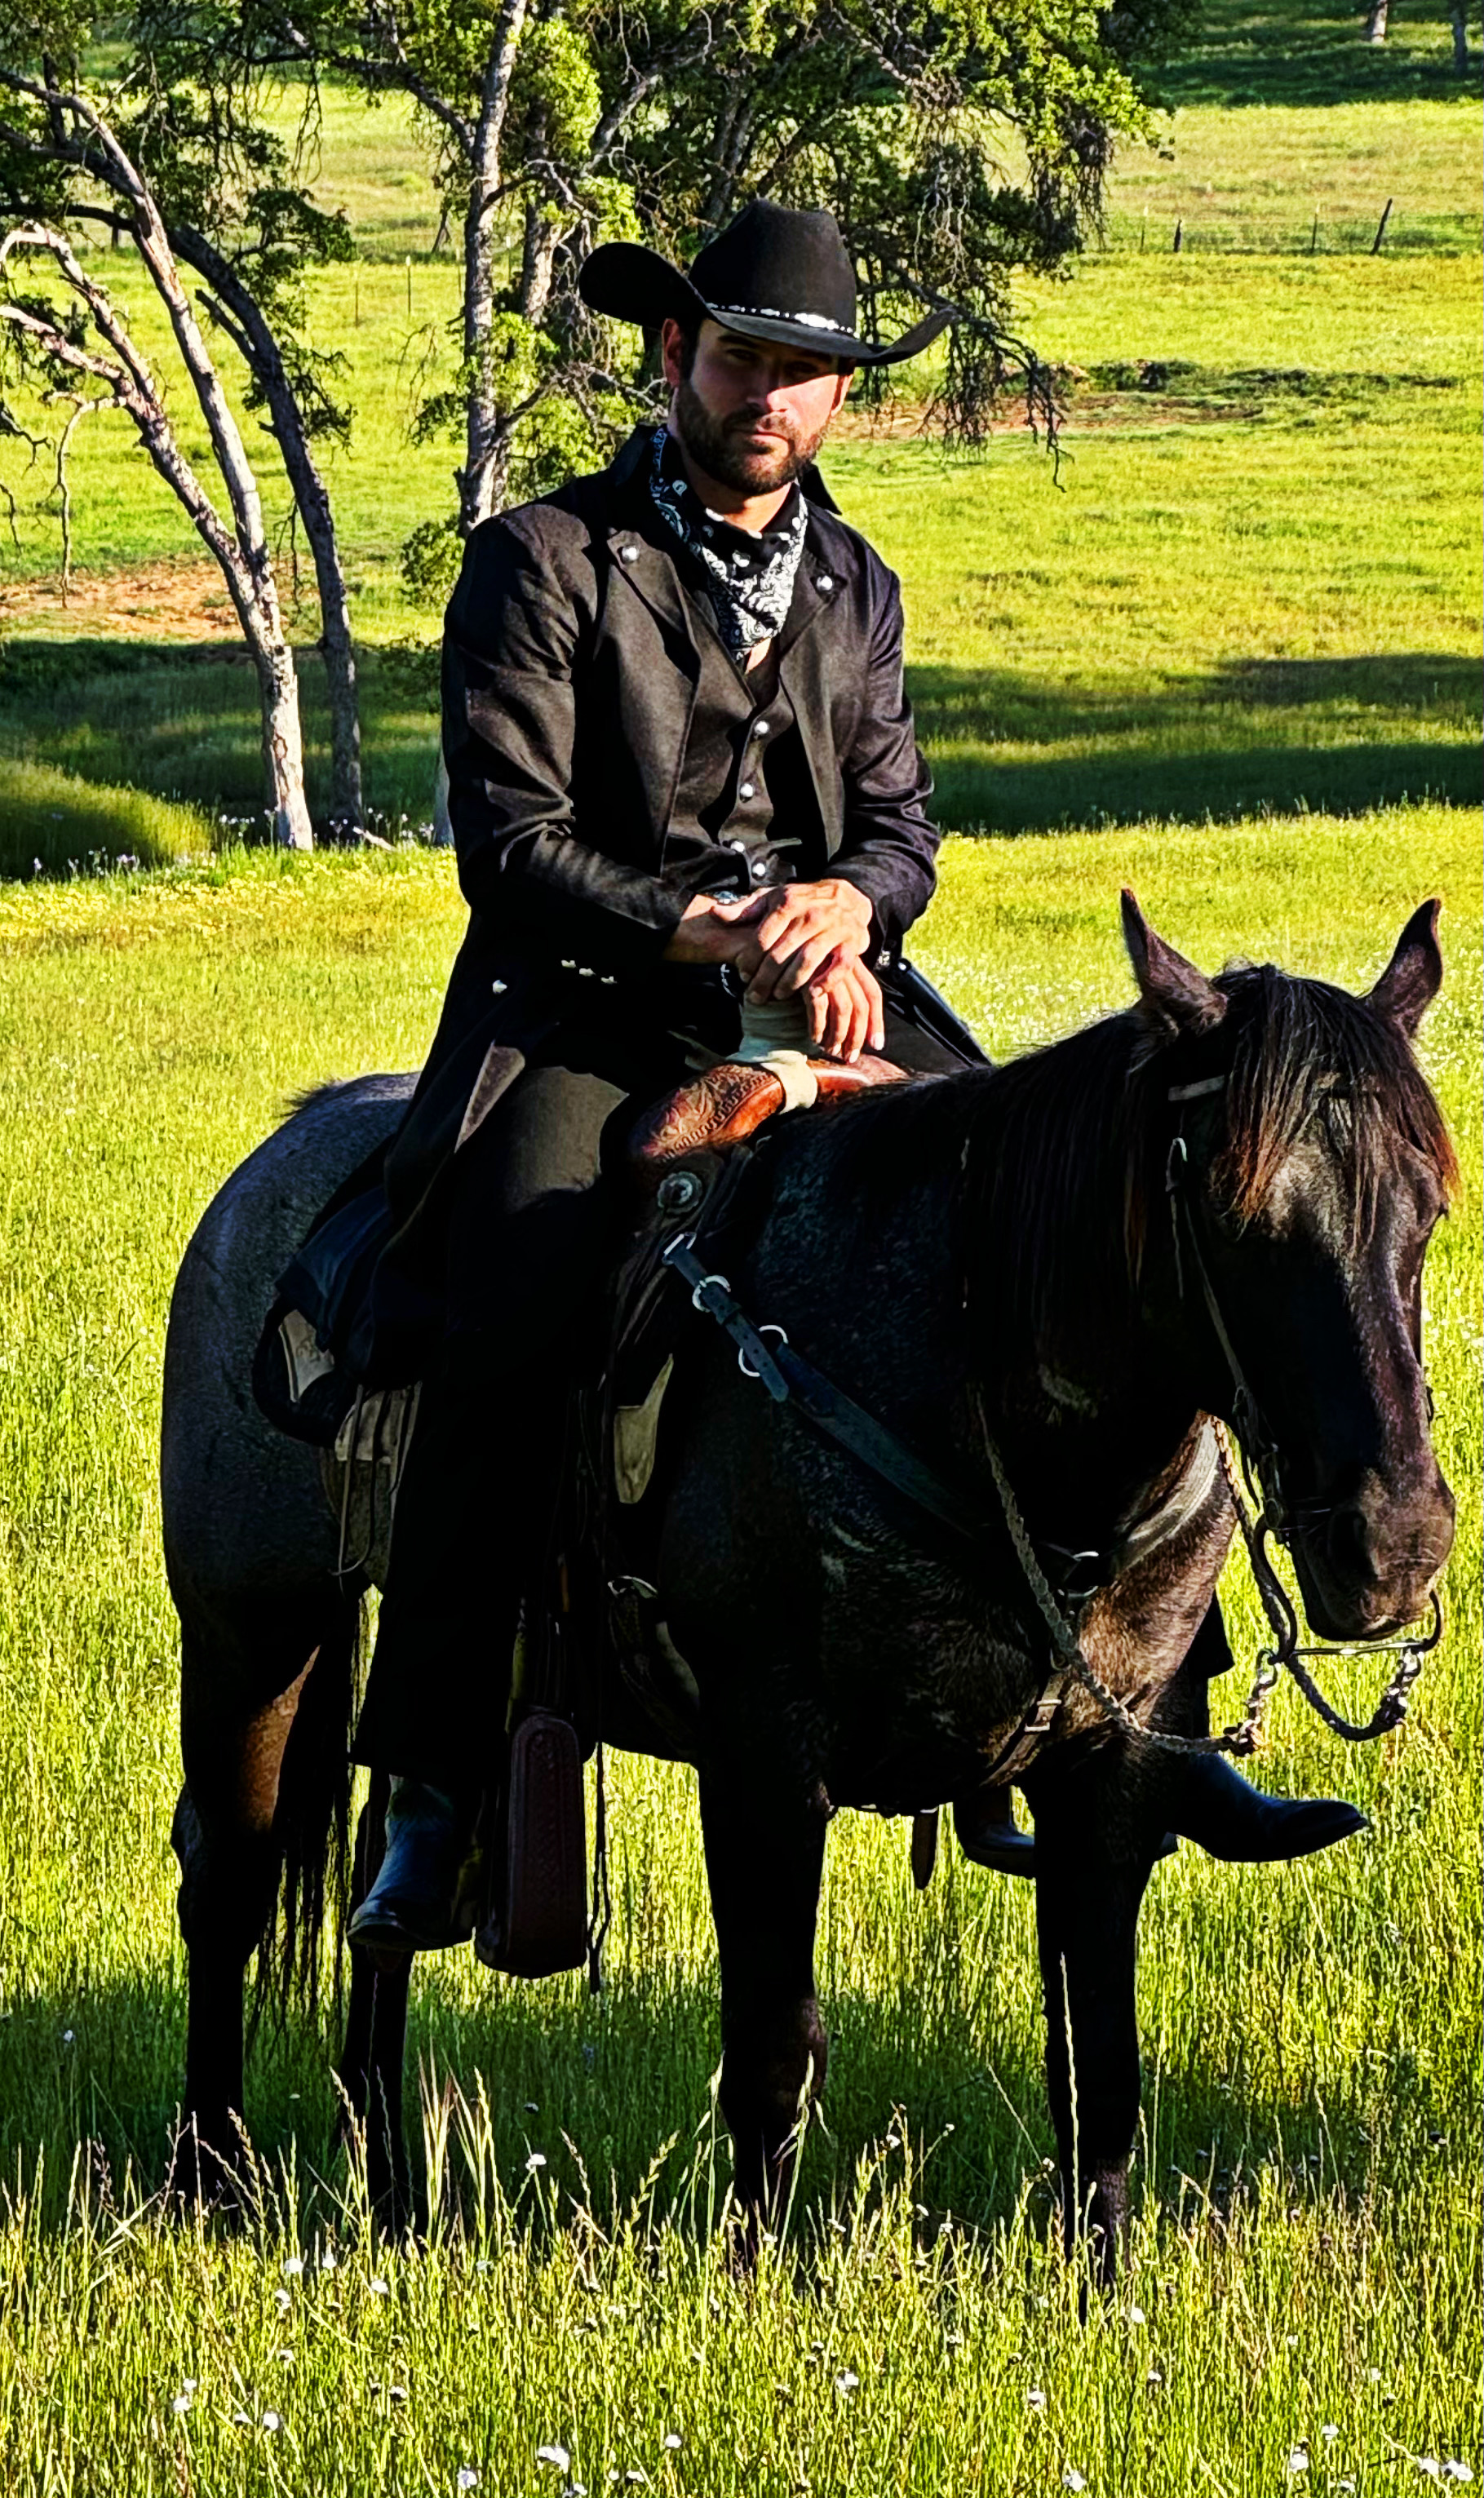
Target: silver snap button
x: 629, y: 553
x: 749, y: 789
x: 761, y: 729
x: 499, y: 987
x: 761, y: 871
x: 826, y: 581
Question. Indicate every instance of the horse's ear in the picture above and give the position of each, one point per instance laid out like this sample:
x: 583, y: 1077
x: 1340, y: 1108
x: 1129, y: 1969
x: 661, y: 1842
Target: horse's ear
x: 1414, y: 977
x: 1169, y: 989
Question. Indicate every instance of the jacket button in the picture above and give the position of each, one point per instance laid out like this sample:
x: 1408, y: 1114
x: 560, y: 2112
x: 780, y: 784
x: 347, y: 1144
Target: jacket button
x: 749, y: 789
x: 629, y: 553
x: 759, y: 728
x: 826, y: 581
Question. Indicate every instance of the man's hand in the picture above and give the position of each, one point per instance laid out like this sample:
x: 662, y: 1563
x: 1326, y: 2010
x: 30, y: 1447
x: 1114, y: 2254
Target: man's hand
x: 715, y: 929
x: 801, y: 928
x: 843, y: 1003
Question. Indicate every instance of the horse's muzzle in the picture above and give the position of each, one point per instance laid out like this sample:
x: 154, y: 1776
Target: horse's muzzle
x: 1369, y: 1566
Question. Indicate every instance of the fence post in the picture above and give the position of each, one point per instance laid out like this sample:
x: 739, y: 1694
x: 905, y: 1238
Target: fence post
x: 1380, y: 232
x: 1180, y: 229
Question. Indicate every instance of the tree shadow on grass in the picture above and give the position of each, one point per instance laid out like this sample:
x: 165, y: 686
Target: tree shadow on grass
x: 1283, y: 737
x: 183, y: 720
x: 1312, y: 52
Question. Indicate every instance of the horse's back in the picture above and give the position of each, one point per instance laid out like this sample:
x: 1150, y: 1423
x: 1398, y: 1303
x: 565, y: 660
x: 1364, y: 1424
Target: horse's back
x: 243, y: 1512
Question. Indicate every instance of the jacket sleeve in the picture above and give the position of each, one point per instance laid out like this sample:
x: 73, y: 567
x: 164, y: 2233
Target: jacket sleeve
x: 510, y: 642
x: 887, y: 846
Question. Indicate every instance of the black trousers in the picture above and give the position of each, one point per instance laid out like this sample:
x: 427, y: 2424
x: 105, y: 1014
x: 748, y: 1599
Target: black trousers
x: 529, y: 1230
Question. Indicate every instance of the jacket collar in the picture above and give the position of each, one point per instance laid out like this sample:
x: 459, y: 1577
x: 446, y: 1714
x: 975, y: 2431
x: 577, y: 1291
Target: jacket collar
x: 643, y: 554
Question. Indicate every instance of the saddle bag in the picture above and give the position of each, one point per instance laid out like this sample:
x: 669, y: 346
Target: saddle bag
x: 536, y: 1922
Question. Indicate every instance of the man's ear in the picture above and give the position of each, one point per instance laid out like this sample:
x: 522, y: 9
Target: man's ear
x: 1414, y: 977
x: 1171, y: 990
x: 672, y: 344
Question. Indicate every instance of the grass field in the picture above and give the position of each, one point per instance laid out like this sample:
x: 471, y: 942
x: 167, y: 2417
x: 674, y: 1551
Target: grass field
x: 1231, y: 658
x: 1307, y: 2241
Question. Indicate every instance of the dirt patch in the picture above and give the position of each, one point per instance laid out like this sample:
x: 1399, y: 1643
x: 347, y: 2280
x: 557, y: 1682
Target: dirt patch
x: 177, y: 599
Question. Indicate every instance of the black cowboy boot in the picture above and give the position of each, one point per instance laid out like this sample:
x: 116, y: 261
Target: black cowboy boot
x: 985, y: 1826
x: 422, y: 1897
x: 1208, y: 1802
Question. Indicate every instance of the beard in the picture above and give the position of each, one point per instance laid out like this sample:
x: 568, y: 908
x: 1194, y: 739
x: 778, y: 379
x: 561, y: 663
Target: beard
x: 720, y: 445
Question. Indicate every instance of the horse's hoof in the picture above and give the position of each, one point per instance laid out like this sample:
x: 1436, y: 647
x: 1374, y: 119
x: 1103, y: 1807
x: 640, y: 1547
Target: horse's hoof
x: 1211, y: 1804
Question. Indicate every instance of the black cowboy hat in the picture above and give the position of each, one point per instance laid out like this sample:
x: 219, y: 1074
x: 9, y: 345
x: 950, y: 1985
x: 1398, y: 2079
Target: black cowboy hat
x: 782, y: 274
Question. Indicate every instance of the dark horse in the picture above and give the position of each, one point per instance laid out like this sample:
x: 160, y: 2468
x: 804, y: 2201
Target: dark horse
x: 986, y: 1251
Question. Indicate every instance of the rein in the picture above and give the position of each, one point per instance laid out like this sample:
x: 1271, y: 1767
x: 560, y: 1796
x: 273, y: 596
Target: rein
x: 790, y: 1378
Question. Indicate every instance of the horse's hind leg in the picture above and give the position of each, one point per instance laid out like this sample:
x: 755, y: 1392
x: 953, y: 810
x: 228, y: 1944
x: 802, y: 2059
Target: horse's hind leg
x: 764, y: 1857
x: 236, y: 1718
x: 1095, y: 1843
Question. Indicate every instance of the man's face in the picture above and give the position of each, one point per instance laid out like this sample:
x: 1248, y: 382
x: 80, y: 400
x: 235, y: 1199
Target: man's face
x: 751, y: 415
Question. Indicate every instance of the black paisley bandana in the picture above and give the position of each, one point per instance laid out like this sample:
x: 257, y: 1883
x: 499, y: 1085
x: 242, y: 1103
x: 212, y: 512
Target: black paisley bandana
x: 747, y: 577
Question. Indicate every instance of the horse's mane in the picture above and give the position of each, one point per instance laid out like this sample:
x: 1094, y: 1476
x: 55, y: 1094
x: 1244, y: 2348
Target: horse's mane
x: 1061, y: 1154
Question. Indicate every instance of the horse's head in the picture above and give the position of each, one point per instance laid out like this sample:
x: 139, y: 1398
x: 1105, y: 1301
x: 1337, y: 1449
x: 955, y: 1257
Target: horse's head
x: 1308, y: 1164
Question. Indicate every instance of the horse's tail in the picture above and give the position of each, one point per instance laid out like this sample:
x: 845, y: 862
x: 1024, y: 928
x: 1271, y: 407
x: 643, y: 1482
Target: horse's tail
x: 313, y: 1824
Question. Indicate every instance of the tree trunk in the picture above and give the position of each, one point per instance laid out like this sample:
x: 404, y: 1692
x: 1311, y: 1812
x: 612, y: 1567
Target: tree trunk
x: 477, y: 498
x: 241, y: 315
x: 283, y: 746
x: 1375, y: 21
x: 242, y: 552
x: 1460, y: 37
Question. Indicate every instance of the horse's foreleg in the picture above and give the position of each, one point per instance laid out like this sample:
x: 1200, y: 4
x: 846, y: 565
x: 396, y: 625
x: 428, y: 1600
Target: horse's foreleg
x: 764, y: 1856
x: 376, y: 2038
x: 1093, y: 1853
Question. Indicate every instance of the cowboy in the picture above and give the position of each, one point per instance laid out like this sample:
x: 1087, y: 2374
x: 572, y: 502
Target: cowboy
x: 681, y: 778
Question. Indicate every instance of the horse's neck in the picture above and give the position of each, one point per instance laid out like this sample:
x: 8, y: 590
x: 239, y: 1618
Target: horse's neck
x: 1081, y: 1381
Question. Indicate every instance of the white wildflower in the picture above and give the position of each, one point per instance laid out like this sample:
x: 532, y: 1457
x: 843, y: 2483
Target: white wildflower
x: 327, y: 2260
x: 282, y: 2300
x: 1456, y: 2471
x: 181, y: 2403
x: 1072, y: 2478
x: 378, y: 2289
x: 272, y: 2422
x: 293, y: 2267
x: 1135, y: 2315
x: 535, y: 2159
x: 466, y: 2477
x: 1298, y: 2460
x: 1035, y: 2398
x: 845, y: 2384
x: 1330, y: 2432
x: 672, y: 2440
x: 556, y: 2455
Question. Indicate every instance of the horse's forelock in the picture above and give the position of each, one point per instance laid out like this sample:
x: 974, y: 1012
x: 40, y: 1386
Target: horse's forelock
x: 1304, y: 1051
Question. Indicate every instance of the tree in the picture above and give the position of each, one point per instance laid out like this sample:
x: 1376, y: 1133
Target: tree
x: 205, y: 171
x: 957, y: 141
x: 56, y: 343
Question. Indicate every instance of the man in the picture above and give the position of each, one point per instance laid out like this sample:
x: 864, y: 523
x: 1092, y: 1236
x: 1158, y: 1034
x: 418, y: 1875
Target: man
x: 682, y: 772
x: 682, y: 777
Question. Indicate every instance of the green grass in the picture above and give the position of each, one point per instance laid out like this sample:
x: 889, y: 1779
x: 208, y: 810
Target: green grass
x: 1231, y: 659
x: 1306, y: 2240
x: 1255, y: 583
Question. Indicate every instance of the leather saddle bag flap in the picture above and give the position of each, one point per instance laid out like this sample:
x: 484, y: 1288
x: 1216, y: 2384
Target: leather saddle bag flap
x: 541, y: 1924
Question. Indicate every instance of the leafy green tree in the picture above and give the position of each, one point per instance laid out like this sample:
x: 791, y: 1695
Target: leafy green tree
x: 198, y: 180
x: 958, y: 142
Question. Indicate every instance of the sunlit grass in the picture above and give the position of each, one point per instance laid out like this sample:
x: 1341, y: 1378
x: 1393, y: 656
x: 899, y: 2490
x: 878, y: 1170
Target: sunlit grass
x: 1305, y: 2184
